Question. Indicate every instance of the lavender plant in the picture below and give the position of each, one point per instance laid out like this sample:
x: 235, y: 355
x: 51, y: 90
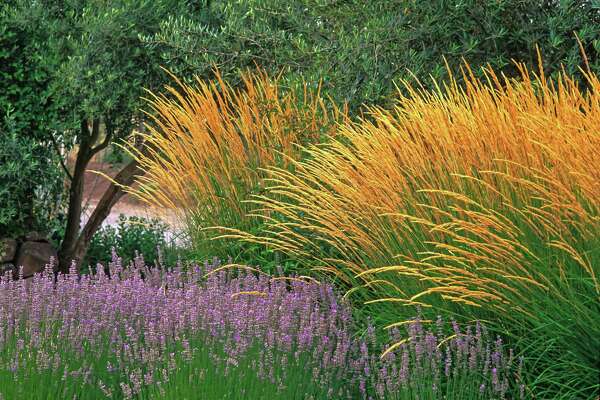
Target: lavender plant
x: 429, y: 364
x: 212, y: 332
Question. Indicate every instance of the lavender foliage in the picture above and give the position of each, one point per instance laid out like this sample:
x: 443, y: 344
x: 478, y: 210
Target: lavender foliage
x: 146, y: 333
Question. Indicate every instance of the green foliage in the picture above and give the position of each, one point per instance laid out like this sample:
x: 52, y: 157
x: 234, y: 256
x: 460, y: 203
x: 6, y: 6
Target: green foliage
x: 131, y: 235
x: 26, y: 69
x: 88, y: 55
x: 115, y: 156
x: 30, y: 185
x: 496, y: 32
x: 359, y: 49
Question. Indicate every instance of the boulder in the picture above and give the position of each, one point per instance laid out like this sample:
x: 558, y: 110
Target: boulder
x: 5, y: 268
x: 35, y: 237
x: 34, y: 256
x: 8, y: 250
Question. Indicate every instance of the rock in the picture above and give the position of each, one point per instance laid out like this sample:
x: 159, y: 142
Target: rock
x: 34, y: 256
x: 35, y: 237
x: 8, y: 250
x: 5, y: 268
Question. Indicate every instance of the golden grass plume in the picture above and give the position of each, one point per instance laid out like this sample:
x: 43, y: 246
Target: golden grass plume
x: 461, y: 193
x: 207, y: 142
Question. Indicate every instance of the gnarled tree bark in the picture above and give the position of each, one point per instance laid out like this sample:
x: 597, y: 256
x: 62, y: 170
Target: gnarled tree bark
x: 76, y: 240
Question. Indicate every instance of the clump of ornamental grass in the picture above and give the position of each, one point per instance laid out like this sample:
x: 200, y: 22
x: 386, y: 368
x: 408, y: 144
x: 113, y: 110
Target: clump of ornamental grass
x: 212, y: 332
x: 208, y: 143
x: 480, y: 200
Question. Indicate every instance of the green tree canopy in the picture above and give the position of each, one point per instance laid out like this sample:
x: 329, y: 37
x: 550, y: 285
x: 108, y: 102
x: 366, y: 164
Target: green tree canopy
x: 360, y: 48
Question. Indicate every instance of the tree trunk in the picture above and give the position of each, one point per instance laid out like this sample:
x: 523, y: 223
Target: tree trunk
x: 77, y: 249
x: 75, y: 199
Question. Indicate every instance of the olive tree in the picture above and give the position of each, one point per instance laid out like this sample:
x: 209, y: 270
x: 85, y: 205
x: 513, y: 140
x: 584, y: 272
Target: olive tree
x: 81, y: 89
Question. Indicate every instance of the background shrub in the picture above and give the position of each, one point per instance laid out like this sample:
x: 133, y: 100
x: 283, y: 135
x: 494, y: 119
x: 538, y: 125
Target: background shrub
x: 115, y: 156
x: 131, y: 235
x: 32, y: 192
x: 31, y: 186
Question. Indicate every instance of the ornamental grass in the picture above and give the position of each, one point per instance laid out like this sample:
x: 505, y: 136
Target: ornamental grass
x: 208, y: 144
x: 481, y: 201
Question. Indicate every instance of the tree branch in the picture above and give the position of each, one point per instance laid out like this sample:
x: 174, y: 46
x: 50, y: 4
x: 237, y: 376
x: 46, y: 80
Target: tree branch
x: 95, y: 131
x: 125, y: 177
x: 85, y: 130
x: 60, y: 157
x: 75, y: 196
x: 110, y: 132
